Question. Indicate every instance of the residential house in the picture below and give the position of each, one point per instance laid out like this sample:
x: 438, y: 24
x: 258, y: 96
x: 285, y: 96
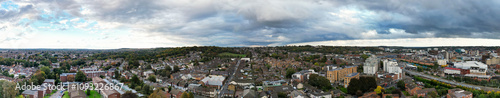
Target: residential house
x: 30, y: 93
x: 320, y: 95
x: 176, y: 93
x: 148, y: 73
x: 298, y: 94
x: 228, y: 93
x: 458, y: 93
x: 412, y: 88
x: 91, y: 74
x: 425, y: 92
x: 248, y: 93
x: 64, y: 76
x: 370, y: 95
x: 76, y: 93
x: 391, y: 95
x: 302, y: 75
x: 49, y: 81
x: 110, y: 93
x: 207, y: 92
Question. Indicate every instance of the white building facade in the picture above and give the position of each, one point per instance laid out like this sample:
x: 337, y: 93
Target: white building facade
x: 475, y: 67
x: 371, y: 64
x: 391, y: 66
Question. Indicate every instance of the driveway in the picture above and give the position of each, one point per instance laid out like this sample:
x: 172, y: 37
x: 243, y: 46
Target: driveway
x: 58, y: 94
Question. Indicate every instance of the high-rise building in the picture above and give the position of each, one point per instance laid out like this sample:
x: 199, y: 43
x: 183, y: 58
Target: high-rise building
x: 371, y: 65
x: 391, y: 66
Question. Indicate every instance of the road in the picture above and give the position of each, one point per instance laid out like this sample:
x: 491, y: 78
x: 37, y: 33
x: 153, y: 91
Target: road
x: 231, y: 75
x: 451, y: 82
x: 57, y: 94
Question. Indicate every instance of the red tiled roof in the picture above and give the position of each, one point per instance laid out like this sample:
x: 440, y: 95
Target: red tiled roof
x: 451, y: 68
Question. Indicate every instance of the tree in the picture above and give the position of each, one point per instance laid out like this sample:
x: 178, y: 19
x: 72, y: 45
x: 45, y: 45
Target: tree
x: 8, y: 89
x: 185, y: 95
x: 176, y: 69
x: 379, y: 89
x: 433, y: 94
x: 401, y: 84
x: 157, y: 94
x: 491, y: 94
x: 80, y: 77
x: 88, y: 92
x: 117, y: 74
x: 152, y: 78
x: 45, y: 62
x: 359, y: 93
x: 135, y: 81
x: 289, y: 73
x: 319, y: 82
x: 38, y: 78
x: 129, y: 94
x: 482, y: 96
x: 164, y: 72
x: 168, y: 68
x: 364, y: 56
x: 45, y: 69
x: 146, y: 90
x: 190, y: 95
x: 363, y: 84
x: 282, y: 95
x: 71, y: 78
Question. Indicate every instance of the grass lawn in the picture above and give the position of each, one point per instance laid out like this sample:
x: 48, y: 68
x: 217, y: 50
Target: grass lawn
x: 406, y: 93
x: 93, y: 94
x: 231, y: 54
x: 66, y: 94
x: 48, y: 95
x: 20, y: 96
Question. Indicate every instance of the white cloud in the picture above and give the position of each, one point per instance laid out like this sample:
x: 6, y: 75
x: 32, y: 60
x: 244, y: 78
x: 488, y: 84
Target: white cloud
x: 13, y: 35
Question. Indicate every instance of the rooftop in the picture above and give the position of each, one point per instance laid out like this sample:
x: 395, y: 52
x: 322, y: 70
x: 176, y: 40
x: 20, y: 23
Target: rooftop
x: 66, y: 74
x: 352, y: 74
x: 49, y: 80
x: 213, y: 80
x: 458, y: 93
x: 29, y: 92
x: 451, y: 68
x: 469, y: 64
x: 426, y: 90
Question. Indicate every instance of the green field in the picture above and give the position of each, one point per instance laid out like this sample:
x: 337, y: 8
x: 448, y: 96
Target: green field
x: 65, y: 94
x: 94, y: 94
x: 227, y: 54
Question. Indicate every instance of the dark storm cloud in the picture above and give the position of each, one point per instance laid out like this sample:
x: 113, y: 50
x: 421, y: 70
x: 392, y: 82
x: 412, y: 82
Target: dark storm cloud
x: 447, y: 18
x: 276, y: 22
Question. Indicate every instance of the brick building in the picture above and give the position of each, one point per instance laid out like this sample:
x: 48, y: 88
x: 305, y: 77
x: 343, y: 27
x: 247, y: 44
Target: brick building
x: 64, y: 76
x: 335, y: 74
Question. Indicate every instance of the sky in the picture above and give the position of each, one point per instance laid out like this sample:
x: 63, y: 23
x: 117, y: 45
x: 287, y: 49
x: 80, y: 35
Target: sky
x: 111, y: 24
